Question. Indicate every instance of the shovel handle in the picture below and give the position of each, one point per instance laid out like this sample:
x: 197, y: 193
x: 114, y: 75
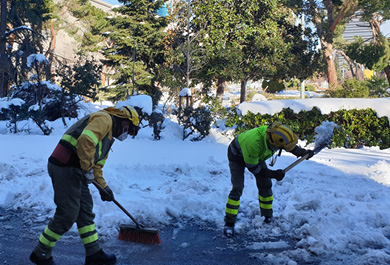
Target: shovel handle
x: 101, y: 189
x: 316, y: 151
x: 296, y: 162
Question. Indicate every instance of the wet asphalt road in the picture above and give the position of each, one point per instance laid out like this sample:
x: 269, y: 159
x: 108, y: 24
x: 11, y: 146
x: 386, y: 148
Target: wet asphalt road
x: 189, y: 244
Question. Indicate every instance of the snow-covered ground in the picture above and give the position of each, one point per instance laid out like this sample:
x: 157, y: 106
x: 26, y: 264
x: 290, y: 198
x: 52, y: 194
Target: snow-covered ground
x: 336, y: 206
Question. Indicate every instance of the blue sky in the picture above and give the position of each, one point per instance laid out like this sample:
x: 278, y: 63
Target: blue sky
x: 385, y: 28
x: 112, y: 2
x: 162, y: 12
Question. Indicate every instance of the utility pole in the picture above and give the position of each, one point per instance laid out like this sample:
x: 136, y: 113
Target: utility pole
x: 188, y: 44
x: 133, y: 78
x: 303, y: 36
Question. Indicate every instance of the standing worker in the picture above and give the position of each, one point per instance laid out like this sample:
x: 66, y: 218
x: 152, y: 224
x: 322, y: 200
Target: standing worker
x: 77, y: 160
x: 250, y: 150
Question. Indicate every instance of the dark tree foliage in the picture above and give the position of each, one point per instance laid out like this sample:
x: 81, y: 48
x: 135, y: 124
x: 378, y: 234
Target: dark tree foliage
x: 250, y: 40
x: 136, y: 35
x: 24, y: 26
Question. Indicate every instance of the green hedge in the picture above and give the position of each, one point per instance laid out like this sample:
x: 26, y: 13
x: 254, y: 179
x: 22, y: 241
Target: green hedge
x: 356, y: 127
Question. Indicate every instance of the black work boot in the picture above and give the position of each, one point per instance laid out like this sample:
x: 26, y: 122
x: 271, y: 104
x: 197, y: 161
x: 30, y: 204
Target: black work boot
x: 100, y: 258
x: 228, y: 230
x: 35, y: 259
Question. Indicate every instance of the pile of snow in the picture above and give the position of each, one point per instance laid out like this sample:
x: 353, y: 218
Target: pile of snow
x: 185, y: 92
x: 258, y: 97
x: 144, y: 102
x: 5, y: 103
x: 297, y: 94
x: 36, y: 58
x: 324, y: 133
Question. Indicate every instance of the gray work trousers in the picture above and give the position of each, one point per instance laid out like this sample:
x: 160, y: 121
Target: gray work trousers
x: 74, y: 205
x: 264, y: 186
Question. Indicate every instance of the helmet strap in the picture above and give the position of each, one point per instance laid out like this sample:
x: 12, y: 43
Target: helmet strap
x: 274, y: 158
x: 270, y: 137
x: 133, y: 130
x: 117, y: 126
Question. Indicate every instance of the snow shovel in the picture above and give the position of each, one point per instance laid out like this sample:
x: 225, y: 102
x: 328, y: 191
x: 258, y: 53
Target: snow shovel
x: 323, y: 138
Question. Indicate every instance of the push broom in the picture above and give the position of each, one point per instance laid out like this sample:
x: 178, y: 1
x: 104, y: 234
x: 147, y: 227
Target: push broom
x: 134, y: 233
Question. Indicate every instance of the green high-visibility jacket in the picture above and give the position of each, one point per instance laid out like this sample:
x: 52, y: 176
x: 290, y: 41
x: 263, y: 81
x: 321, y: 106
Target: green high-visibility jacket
x: 253, y: 144
x: 251, y: 148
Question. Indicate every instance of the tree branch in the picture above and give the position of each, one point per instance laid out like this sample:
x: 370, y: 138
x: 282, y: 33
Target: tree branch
x: 339, y: 16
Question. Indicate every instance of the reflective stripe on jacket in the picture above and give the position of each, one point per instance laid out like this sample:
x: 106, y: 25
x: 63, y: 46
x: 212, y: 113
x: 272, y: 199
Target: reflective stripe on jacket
x: 91, y: 139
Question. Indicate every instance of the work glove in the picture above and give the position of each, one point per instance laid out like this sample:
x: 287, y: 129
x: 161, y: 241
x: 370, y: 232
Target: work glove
x: 106, y: 194
x: 299, y: 152
x: 275, y: 174
x: 310, y: 152
x: 88, y: 176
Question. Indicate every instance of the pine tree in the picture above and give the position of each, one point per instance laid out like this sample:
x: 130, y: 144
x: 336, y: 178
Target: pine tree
x: 136, y: 34
x: 21, y: 29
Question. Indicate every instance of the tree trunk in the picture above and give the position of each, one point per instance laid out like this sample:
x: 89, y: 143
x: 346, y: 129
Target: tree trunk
x: 3, y: 57
x: 387, y: 71
x: 327, y: 36
x: 103, y: 75
x: 330, y: 64
x: 50, y: 52
x: 3, y: 21
x: 243, y: 90
x: 221, y: 86
x: 375, y: 26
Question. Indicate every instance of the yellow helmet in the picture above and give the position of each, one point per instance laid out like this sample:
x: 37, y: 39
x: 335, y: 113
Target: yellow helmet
x: 281, y: 136
x: 124, y: 112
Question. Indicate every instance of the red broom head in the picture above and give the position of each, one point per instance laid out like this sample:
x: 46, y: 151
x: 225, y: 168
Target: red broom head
x: 139, y: 235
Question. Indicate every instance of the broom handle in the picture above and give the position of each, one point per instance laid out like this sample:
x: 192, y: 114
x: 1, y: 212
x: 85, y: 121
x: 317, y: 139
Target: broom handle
x: 100, y: 188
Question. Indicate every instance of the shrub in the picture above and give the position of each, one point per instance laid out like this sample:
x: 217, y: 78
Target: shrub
x: 351, y: 88
x: 361, y: 128
x: 377, y: 86
x: 15, y: 112
x: 273, y: 86
x: 195, y: 120
x: 310, y: 88
x: 357, y: 127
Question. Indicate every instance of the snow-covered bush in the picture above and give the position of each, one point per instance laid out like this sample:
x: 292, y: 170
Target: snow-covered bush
x: 13, y: 111
x: 147, y: 116
x: 196, y: 121
x: 40, y: 100
x: 358, y: 128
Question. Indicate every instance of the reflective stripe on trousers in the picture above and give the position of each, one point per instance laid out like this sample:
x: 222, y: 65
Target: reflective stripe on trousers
x: 232, y: 206
x: 88, y: 234
x: 266, y: 205
x: 49, y: 238
x: 233, y: 203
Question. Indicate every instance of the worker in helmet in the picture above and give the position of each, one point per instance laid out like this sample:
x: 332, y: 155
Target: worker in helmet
x: 250, y: 150
x: 77, y: 160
